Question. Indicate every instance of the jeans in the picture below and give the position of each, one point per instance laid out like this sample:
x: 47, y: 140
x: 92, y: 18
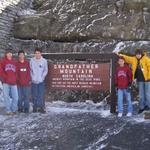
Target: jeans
x: 144, y: 94
x: 121, y: 93
x: 23, y: 101
x: 10, y: 97
x: 37, y: 91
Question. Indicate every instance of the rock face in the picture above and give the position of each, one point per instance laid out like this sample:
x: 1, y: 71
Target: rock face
x: 8, y: 12
x: 80, y: 20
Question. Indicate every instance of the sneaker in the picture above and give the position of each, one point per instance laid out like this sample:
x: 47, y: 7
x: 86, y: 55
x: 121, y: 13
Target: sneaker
x: 34, y: 110
x: 119, y: 114
x: 9, y: 113
x: 41, y: 110
x: 146, y: 108
x: 129, y: 114
x: 20, y: 110
x: 140, y: 111
x: 14, y: 113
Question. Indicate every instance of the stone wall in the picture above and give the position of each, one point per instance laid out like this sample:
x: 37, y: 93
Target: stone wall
x: 8, y: 13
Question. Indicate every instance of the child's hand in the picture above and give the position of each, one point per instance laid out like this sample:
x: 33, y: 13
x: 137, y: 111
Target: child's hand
x: 116, y: 53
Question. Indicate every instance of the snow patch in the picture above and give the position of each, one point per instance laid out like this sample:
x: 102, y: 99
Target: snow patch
x: 79, y: 107
x: 102, y: 146
x: 5, y: 3
x: 2, y: 118
x: 99, y: 19
x: 109, y: 132
x: 105, y: 113
x: 119, y: 47
x: 128, y: 44
x: 26, y: 12
x: 105, y: 16
x: 140, y: 120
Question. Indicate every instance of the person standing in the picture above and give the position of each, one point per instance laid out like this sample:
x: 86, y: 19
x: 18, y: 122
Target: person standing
x: 141, y: 72
x: 39, y: 70
x: 23, y: 82
x: 123, y: 79
x: 9, y: 78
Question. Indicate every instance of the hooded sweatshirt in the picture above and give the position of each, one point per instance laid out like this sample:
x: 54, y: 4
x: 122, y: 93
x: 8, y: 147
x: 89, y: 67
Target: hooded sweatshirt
x: 39, y: 69
x: 123, y: 77
x: 9, y: 71
x: 23, y: 73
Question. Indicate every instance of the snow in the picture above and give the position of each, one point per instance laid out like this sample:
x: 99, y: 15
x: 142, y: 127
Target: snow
x: 61, y: 107
x: 99, y: 19
x: 119, y: 47
x: 2, y: 118
x: 62, y: 122
x: 139, y: 120
x: 5, y: 3
x: 78, y: 107
x: 105, y: 16
x: 102, y: 146
x: 127, y: 44
x: 26, y: 12
x: 108, y: 133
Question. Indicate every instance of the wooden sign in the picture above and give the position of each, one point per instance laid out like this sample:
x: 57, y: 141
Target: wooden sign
x: 84, y: 76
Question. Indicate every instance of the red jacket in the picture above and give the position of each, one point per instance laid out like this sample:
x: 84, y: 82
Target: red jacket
x: 123, y: 77
x: 23, y: 73
x: 9, y: 71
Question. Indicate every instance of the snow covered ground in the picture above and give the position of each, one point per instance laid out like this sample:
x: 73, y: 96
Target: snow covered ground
x: 74, y: 126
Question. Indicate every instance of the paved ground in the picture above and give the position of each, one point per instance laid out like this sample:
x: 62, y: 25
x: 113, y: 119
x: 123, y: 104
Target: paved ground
x: 74, y: 126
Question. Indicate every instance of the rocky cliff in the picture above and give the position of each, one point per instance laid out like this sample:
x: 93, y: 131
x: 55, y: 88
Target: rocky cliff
x: 85, y: 25
x: 75, y: 26
x: 8, y: 13
x: 82, y: 20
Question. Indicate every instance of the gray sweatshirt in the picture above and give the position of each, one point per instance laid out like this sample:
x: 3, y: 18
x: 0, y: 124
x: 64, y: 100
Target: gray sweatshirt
x: 39, y: 69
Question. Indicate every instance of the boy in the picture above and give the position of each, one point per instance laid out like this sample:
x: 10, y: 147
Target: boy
x: 9, y: 77
x: 23, y: 82
x: 123, y: 78
x: 39, y: 70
